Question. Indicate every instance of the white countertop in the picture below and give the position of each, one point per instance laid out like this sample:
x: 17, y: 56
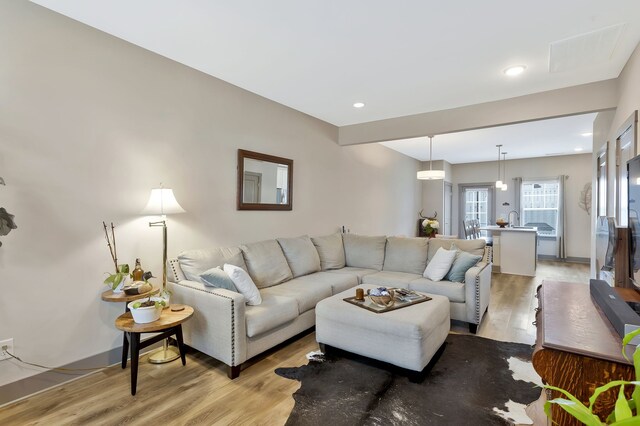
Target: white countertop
x: 496, y: 228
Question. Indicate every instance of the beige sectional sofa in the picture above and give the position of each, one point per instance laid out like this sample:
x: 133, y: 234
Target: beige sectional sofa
x: 293, y: 274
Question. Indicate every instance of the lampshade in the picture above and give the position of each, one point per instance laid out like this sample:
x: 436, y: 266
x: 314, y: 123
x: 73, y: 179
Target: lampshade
x: 161, y: 202
x: 499, y: 184
x: 430, y: 174
x: 504, y: 187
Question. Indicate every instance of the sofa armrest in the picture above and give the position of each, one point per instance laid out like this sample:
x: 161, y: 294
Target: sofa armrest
x: 477, y: 291
x: 218, y: 326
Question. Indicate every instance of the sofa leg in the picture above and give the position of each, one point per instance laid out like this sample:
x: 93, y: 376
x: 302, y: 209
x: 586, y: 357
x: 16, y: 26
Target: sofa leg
x: 233, y: 371
x: 473, y: 328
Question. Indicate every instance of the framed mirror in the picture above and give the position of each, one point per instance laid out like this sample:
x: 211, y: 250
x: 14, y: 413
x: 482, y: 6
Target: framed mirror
x: 265, y: 182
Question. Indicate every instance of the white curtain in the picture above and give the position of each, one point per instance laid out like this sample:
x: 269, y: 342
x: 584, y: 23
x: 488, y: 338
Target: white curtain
x: 561, y: 217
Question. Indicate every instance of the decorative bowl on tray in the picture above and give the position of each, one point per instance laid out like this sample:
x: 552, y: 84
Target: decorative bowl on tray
x: 501, y: 223
x: 381, y: 296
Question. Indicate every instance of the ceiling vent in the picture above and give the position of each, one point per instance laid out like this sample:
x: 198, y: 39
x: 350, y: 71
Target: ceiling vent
x: 584, y: 49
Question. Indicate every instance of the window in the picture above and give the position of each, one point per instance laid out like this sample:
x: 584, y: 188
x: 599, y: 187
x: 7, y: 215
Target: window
x: 476, y: 205
x: 540, y: 202
x: 475, y: 202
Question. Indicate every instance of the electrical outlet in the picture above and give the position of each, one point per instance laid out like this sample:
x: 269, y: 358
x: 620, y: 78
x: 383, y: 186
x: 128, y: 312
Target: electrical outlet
x: 6, y: 345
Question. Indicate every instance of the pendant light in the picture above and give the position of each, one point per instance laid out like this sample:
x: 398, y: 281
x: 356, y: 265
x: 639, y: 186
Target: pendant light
x: 504, y: 175
x: 430, y: 174
x: 499, y: 181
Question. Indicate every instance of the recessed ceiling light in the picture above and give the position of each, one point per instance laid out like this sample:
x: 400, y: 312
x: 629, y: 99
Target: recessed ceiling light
x: 515, y: 70
x: 577, y: 149
x: 358, y: 105
x: 586, y: 134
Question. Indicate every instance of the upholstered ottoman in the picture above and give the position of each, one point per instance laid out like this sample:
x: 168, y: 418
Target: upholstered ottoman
x: 407, y: 337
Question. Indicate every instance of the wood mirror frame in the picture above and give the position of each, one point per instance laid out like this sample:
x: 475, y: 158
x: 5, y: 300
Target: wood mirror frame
x: 241, y: 205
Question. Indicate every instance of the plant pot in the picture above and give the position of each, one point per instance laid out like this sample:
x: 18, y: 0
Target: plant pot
x: 144, y: 315
x: 120, y: 287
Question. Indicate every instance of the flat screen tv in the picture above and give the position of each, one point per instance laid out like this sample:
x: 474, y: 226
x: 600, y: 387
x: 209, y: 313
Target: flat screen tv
x: 633, y: 174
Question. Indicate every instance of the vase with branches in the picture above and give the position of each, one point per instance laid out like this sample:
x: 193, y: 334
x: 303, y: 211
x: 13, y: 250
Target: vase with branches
x: 118, y: 279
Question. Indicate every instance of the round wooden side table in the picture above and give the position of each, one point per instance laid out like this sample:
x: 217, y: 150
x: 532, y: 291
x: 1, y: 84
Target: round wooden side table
x: 110, y: 296
x: 169, y: 324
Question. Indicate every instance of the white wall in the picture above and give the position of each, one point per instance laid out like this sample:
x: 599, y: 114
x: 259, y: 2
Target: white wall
x: 628, y: 101
x: 89, y: 124
x: 578, y: 167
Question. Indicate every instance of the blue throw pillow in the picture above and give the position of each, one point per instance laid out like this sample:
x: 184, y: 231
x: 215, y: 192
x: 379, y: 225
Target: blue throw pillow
x: 462, y: 263
x: 216, y: 277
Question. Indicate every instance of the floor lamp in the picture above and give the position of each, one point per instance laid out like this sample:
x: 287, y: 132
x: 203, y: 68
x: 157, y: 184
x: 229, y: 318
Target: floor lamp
x: 162, y: 202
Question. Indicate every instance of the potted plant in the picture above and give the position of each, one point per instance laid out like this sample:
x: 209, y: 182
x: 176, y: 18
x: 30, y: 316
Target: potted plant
x: 626, y: 412
x: 146, y: 311
x: 118, y: 280
x: 429, y: 224
x: 165, y: 295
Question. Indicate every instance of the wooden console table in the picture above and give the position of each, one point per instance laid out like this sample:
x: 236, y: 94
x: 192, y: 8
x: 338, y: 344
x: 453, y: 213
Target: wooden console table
x: 577, y: 348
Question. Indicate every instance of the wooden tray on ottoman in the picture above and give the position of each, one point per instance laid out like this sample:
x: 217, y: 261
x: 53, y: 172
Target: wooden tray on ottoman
x: 399, y: 304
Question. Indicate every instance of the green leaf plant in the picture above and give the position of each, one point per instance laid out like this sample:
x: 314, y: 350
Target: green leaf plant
x: 113, y: 280
x: 624, y: 412
x: 156, y: 303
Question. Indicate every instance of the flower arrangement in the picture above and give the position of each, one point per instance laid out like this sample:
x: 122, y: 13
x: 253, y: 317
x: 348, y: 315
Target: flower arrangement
x: 430, y: 225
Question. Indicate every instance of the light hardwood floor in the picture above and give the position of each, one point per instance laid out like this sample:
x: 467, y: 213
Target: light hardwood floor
x: 201, y: 393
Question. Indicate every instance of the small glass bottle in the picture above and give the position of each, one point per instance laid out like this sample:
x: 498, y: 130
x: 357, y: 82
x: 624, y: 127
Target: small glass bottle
x: 138, y: 272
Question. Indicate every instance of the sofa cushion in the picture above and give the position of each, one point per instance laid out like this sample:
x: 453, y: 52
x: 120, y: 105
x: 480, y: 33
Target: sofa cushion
x: 357, y: 272
x: 243, y: 283
x: 363, y: 251
x: 273, y: 312
x: 390, y: 279
x: 266, y: 263
x: 461, y: 264
x: 301, y: 255
x: 302, y: 290
x: 454, y: 291
x: 336, y: 282
x: 330, y: 250
x: 406, y: 255
x: 216, y: 277
x: 439, y: 266
x: 470, y: 246
x: 195, y: 262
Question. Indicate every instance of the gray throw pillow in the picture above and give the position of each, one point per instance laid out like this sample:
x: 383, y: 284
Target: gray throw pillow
x: 330, y: 250
x: 301, y: 255
x: 462, y: 263
x: 216, y: 277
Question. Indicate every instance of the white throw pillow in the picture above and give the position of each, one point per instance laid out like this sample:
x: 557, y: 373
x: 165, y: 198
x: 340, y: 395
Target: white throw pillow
x: 440, y: 264
x: 244, y: 284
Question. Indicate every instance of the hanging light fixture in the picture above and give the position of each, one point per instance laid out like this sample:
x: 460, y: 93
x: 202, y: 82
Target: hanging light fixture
x: 430, y: 174
x: 504, y: 175
x: 499, y: 181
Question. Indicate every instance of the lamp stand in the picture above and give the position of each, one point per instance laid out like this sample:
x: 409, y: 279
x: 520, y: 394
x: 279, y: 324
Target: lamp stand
x: 166, y: 353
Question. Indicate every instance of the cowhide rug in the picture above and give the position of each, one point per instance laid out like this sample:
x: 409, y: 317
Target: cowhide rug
x: 475, y: 381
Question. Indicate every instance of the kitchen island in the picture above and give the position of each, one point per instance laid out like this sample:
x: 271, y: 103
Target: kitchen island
x: 515, y: 250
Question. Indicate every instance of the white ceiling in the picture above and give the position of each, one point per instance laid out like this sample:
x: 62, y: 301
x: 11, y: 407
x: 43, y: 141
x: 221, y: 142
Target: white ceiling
x: 399, y: 58
x: 558, y: 136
